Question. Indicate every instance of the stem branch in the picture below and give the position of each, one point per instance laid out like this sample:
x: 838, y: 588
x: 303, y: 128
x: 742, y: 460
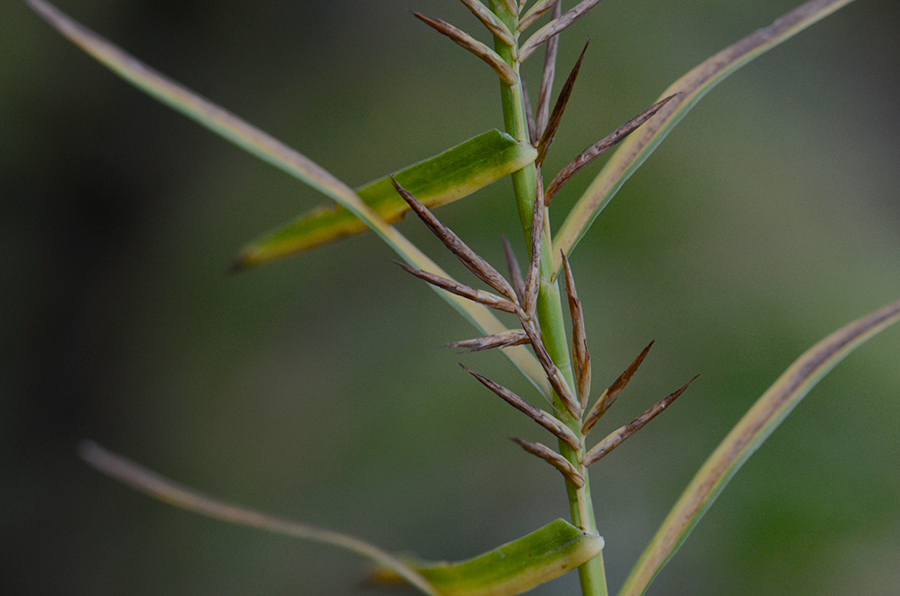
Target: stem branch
x: 549, y: 306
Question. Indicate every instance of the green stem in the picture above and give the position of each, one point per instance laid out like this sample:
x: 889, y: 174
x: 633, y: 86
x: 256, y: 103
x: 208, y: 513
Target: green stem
x: 549, y: 309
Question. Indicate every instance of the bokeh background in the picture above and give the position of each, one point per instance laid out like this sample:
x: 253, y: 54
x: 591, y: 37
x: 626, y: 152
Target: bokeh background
x: 312, y: 388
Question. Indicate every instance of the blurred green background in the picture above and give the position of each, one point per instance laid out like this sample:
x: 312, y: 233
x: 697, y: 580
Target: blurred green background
x: 312, y: 388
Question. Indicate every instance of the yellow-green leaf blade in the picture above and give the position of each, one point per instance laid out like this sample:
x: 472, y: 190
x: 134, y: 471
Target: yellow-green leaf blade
x: 692, y: 87
x: 755, y: 427
x: 448, y: 177
x: 514, y: 567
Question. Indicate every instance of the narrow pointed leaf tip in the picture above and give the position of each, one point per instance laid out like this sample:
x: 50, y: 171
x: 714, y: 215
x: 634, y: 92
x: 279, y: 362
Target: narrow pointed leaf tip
x: 513, y: 568
x: 549, y: 132
x: 745, y: 438
x: 445, y: 178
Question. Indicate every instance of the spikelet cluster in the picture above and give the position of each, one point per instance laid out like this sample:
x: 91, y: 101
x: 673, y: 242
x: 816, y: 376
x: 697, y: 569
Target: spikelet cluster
x: 571, y: 419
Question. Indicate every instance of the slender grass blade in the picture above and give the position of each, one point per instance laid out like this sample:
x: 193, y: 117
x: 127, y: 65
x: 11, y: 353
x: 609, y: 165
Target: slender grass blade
x: 745, y: 438
x: 692, y: 87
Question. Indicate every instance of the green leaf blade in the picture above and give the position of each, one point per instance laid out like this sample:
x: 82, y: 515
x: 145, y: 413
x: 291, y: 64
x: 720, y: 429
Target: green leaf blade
x: 514, y: 567
x: 745, y: 438
x: 443, y: 179
x: 635, y: 149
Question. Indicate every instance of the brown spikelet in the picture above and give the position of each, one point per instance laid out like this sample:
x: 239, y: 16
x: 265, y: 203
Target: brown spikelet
x: 608, y: 397
x: 554, y: 375
x: 536, y: 12
x: 490, y: 20
x: 554, y: 27
x: 515, y: 337
x: 615, y: 438
x: 549, y: 73
x: 481, y: 268
x: 598, y: 148
x: 529, y: 114
x: 580, y: 351
x: 569, y: 471
x: 454, y: 287
x: 533, y: 280
x: 466, y: 41
x: 515, y: 272
x: 557, y: 428
x: 549, y: 133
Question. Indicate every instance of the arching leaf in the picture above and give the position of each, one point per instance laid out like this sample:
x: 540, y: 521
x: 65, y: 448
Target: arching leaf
x: 450, y: 176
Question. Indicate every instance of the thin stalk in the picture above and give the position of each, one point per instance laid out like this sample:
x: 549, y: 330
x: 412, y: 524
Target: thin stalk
x: 549, y: 308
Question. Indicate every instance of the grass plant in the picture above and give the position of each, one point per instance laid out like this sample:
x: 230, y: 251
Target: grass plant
x: 533, y: 313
